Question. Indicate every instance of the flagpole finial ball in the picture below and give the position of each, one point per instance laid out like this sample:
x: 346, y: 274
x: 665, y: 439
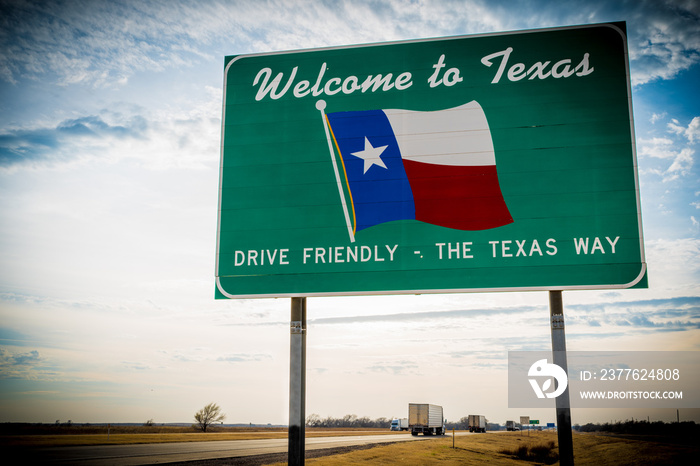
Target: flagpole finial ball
x: 321, y: 105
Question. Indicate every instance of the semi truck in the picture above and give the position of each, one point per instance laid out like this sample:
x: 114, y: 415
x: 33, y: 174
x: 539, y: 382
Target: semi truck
x: 477, y: 423
x: 426, y: 419
x: 510, y: 425
x: 399, y: 424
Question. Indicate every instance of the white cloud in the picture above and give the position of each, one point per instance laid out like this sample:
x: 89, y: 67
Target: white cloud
x: 678, y: 152
x: 657, y: 117
x: 664, y: 39
x: 674, y: 265
x: 690, y: 132
x: 97, y: 43
x: 103, y: 44
x: 170, y: 136
x: 660, y: 148
x: 15, y: 364
x: 681, y: 165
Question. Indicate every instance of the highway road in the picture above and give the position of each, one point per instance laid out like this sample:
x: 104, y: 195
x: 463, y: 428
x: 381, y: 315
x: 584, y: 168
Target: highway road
x: 158, y: 453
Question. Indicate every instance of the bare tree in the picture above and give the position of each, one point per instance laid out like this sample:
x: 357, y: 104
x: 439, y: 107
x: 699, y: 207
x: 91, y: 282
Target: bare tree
x: 349, y: 420
x: 208, y: 415
x: 314, y: 421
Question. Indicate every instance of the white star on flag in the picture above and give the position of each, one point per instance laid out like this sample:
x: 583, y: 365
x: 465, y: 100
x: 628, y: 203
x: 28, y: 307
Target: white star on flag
x: 371, y: 155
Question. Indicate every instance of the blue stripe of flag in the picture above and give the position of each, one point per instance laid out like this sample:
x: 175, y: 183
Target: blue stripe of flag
x: 382, y: 194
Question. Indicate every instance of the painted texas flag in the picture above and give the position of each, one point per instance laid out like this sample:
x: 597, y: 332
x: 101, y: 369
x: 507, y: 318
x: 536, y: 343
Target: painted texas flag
x: 436, y: 167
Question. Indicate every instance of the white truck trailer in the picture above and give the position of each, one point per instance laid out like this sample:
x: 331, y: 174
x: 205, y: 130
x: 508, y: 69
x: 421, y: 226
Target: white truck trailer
x: 477, y: 423
x: 426, y: 419
x: 399, y: 424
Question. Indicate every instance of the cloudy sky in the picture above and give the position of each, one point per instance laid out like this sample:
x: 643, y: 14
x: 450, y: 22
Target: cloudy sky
x: 110, y: 125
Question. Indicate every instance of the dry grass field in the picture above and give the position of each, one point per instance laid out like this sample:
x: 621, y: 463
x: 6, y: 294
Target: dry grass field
x: 504, y: 448
x: 500, y: 449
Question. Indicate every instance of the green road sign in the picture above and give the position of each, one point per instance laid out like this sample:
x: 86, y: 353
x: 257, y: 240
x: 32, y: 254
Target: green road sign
x: 479, y: 163
x: 534, y: 421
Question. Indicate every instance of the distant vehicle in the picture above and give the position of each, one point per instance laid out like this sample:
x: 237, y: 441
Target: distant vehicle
x: 426, y: 419
x: 510, y: 425
x: 477, y: 423
x: 399, y: 424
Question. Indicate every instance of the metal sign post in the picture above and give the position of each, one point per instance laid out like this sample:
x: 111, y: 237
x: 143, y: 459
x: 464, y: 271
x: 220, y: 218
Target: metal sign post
x: 525, y: 422
x: 297, y: 383
x: 566, y: 444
